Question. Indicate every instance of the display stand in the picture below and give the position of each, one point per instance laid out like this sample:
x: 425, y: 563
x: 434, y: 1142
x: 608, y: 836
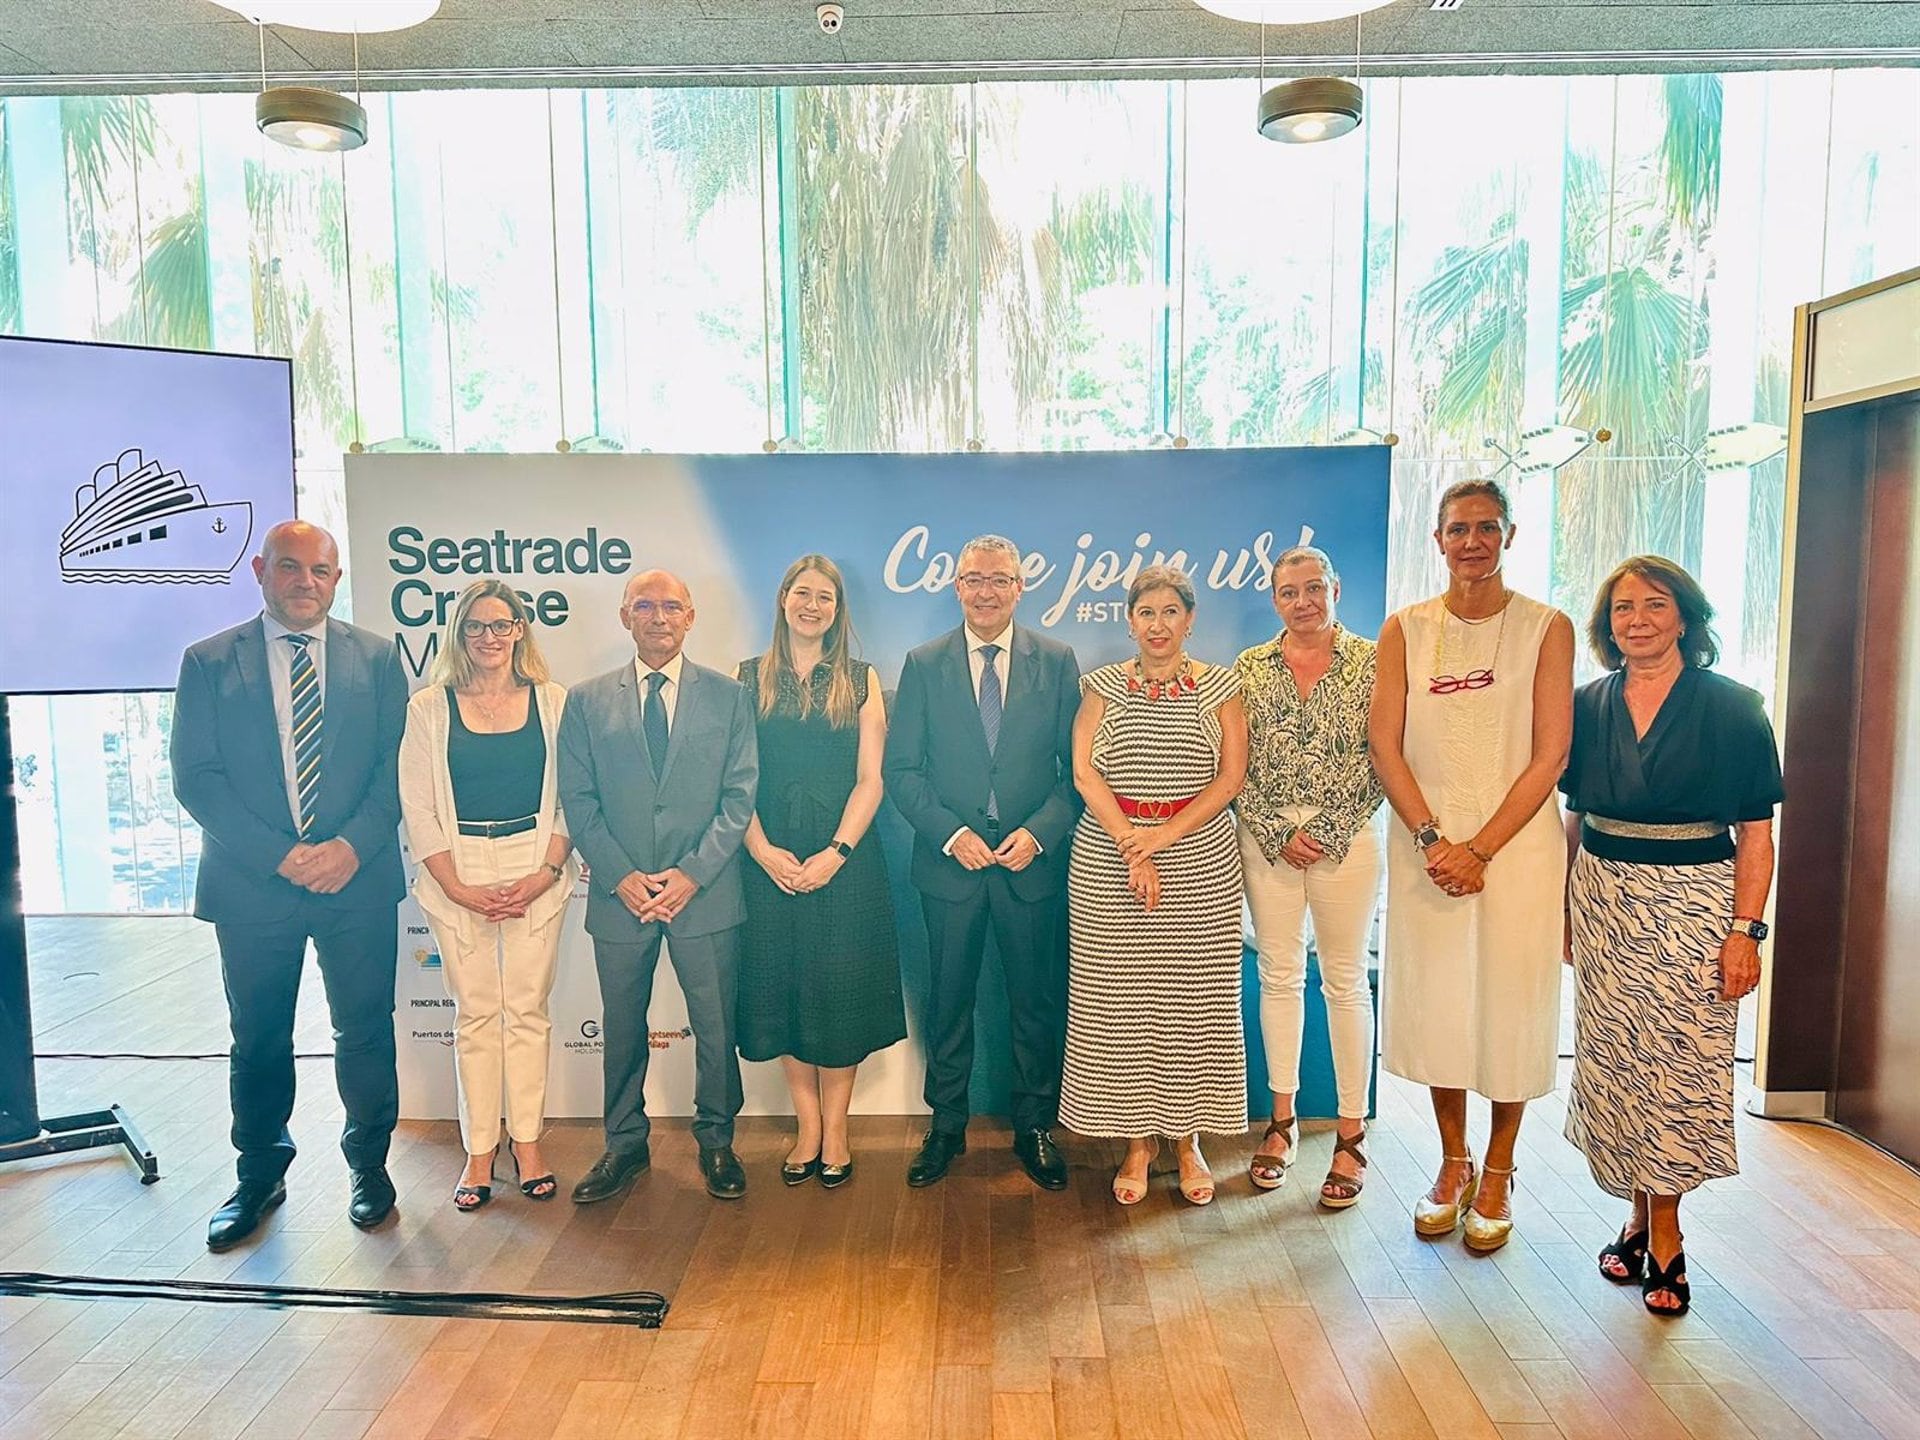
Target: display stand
x: 24, y: 1133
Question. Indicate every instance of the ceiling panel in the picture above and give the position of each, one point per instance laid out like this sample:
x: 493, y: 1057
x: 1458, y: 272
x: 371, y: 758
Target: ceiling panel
x: 193, y: 44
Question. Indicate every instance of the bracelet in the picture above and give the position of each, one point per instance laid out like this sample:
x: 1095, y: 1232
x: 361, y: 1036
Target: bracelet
x: 558, y: 872
x: 1479, y: 854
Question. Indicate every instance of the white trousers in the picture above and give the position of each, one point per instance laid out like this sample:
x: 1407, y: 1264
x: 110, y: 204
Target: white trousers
x: 499, y: 975
x: 1342, y: 899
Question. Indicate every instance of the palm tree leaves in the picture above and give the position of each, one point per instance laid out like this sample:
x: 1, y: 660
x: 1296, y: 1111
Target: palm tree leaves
x: 176, y: 280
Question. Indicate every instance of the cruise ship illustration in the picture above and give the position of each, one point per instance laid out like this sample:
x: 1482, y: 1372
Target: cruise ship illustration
x: 137, y: 522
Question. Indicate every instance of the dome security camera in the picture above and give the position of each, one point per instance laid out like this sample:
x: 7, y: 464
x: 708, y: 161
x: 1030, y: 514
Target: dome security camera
x: 830, y: 18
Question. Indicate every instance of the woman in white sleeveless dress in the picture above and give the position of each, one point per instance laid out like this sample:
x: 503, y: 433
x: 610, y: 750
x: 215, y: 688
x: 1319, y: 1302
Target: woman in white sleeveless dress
x: 1472, y: 717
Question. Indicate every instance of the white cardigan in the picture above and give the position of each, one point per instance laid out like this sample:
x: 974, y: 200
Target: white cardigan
x: 426, y: 804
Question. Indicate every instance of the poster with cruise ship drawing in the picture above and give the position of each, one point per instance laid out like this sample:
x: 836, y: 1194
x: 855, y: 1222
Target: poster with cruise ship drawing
x: 135, y: 486
x: 137, y: 522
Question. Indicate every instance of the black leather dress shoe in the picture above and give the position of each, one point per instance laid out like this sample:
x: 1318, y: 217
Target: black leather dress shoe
x: 725, y: 1179
x: 937, y: 1152
x: 372, y: 1197
x: 1041, y: 1159
x: 610, y: 1175
x: 241, y: 1215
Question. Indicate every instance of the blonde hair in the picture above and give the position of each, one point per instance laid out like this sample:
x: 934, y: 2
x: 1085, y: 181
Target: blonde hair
x: 836, y: 649
x: 452, y: 665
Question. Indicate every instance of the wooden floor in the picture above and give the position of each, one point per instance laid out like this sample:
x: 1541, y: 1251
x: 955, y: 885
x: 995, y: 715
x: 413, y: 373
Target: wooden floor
x: 978, y: 1307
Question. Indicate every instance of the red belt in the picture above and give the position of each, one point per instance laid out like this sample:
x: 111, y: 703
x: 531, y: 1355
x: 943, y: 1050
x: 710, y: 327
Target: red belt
x: 1152, y: 809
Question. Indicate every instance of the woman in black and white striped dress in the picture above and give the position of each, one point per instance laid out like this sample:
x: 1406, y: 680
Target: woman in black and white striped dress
x: 1154, y: 1040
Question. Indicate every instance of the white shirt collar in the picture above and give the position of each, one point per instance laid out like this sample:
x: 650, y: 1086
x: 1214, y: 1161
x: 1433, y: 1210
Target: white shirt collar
x: 275, y: 630
x: 671, y: 669
x: 1004, y: 639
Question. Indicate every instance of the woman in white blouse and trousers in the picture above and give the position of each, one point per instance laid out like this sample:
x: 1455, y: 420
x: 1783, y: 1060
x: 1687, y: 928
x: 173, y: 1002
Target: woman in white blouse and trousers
x: 479, y: 795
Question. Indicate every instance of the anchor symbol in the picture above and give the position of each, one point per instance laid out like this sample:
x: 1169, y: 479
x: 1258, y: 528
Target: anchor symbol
x: 219, y: 525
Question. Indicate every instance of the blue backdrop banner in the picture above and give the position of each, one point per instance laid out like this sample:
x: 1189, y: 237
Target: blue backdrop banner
x: 568, y: 531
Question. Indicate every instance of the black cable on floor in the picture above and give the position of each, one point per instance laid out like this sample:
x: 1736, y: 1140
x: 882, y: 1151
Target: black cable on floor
x: 644, y: 1308
x: 170, y: 1055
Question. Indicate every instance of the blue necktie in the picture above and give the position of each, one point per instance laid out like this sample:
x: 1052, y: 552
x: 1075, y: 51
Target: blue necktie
x: 653, y: 720
x: 308, y: 721
x: 992, y: 704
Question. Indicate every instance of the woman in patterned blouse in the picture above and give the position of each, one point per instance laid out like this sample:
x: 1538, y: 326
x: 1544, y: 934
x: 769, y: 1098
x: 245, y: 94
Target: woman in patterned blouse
x: 1310, y: 843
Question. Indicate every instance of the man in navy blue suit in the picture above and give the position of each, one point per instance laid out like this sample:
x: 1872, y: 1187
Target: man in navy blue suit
x: 979, y: 760
x: 286, y: 742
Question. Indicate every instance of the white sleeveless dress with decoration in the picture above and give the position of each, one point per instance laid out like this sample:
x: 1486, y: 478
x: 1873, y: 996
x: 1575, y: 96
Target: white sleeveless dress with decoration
x: 1470, y: 991
x: 1155, y: 1044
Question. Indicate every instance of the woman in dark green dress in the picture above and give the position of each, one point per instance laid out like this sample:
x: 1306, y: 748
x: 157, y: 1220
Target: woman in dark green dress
x: 820, y: 964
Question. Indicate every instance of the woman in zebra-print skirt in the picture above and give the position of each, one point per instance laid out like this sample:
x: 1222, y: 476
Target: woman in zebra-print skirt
x: 1663, y: 908
x: 1154, y: 1038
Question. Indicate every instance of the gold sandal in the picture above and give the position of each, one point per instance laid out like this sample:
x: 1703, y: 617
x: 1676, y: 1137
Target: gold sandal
x: 1338, y: 1191
x: 1276, y: 1164
x: 1433, y: 1219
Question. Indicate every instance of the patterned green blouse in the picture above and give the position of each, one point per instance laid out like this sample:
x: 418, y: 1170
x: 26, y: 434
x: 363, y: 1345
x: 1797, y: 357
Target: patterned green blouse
x: 1311, y: 751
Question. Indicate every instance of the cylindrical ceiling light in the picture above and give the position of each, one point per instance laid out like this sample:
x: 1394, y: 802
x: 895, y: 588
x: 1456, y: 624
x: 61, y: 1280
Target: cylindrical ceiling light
x: 310, y: 119
x: 1315, y: 107
x: 1290, y: 12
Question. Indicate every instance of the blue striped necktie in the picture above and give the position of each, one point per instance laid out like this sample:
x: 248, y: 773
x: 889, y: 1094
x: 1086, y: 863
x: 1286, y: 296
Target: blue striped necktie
x: 992, y: 705
x: 308, y: 723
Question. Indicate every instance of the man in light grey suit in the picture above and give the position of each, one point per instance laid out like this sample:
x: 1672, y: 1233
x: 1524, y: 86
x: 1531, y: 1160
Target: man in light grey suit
x: 658, y: 767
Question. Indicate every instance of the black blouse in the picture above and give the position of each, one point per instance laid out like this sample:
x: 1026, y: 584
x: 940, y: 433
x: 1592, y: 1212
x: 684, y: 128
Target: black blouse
x: 1709, y: 755
x: 499, y: 776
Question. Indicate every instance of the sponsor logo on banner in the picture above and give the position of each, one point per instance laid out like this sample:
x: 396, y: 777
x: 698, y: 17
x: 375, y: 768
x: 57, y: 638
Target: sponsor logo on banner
x: 661, y: 1039
x: 589, y: 1041
x: 425, y: 958
x: 433, y: 1037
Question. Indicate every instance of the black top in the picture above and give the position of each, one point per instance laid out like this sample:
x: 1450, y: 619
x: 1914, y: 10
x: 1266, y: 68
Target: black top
x: 496, y: 777
x: 1709, y: 755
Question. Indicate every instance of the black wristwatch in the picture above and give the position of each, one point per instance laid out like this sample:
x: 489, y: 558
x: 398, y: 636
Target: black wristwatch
x: 840, y: 847
x: 1426, y: 836
x: 1753, y: 929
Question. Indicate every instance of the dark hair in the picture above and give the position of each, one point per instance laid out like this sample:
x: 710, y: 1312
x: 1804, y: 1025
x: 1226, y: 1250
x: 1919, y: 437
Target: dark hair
x: 1698, y: 645
x: 1466, y: 490
x: 1161, y: 577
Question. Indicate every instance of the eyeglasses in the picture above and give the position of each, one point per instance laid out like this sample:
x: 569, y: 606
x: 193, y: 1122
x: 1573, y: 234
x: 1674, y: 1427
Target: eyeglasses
x: 474, y: 629
x: 1453, y: 684
x: 647, y: 609
x: 1000, y: 583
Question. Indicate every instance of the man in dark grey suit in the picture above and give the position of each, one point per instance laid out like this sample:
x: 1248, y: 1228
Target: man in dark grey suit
x: 286, y: 743
x: 980, y: 761
x: 658, y: 766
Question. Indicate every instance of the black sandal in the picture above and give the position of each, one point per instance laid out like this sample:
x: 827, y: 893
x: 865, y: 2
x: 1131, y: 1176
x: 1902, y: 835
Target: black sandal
x: 539, y: 1187
x: 1673, y: 1280
x: 1631, y: 1252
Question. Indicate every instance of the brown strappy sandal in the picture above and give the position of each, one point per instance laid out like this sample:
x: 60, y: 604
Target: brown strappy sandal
x: 1274, y: 1164
x: 1337, y: 1192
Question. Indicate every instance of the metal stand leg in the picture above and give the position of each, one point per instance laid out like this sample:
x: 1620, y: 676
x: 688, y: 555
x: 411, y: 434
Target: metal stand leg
x: 90, y: 1131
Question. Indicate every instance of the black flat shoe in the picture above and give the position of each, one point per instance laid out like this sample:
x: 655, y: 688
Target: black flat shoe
x: 372, y: 1197
x: 937, y: 1152
x: 610, y: 1175
x: 539, y: 1187
x: 241, y: 1215
x: 792, y: 1174
x: 832, y: 1177
x: 1630, y: 1251
x: 1671, y: 1278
